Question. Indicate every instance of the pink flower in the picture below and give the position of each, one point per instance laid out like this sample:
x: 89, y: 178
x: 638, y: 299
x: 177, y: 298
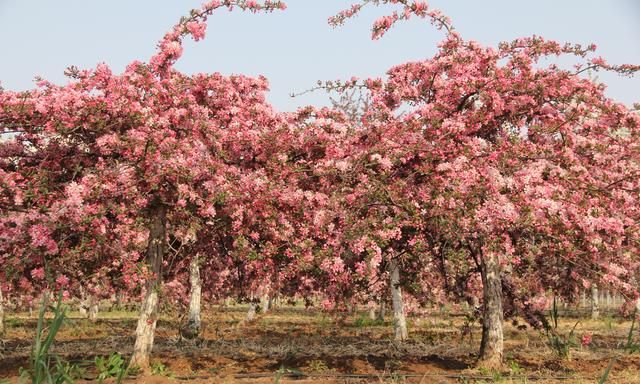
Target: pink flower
x: 342, y: 165
x: 75, y: 193
x: 212, y: 4
x: 420, y: 6
x: 25, y: 284
x: 327, y: 304
x: 172, y: 48
x: 196, y: 29
x: 62, y: 281
x: 361, y: 268
x: 586, y: 340
x: 38, y: 273
x: 547, y: 110
x: 386, y: 163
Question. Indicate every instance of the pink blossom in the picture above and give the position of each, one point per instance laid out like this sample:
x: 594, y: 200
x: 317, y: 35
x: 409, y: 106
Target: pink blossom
x: 24, y: 284
x: 172, y: 48
x: 361, y: 268
x: 327, y: 304
x: 75, y: 194
x: 37, y: 273
x: 212, y: 4
x: 386, y: 163
x: 196, y: 29
x: 62, y: 281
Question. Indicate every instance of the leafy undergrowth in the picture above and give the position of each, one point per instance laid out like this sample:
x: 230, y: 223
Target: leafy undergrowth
x: 306, y: 346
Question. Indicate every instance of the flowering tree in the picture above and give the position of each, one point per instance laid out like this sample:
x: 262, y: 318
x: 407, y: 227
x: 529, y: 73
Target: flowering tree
x: 127, y: 157
x: 485, y: 151
x: 479, y: 171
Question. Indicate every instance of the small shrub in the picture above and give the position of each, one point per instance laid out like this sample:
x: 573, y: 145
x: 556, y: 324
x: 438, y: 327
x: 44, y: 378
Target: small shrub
x: 496, y: 376
x: 514, y: 368
x: 158, y: 368
x: 317, y: 366
x: 112, y: 366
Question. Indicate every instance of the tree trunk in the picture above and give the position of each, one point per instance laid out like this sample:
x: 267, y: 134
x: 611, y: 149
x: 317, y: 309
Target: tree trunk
x: 192, y: 330
x: 117, y: 306
x: 595, y: 309
x: 149, y: 308
x: 399, y: 319
x: 251, y: 313
x: 93, y: 308
x: 82, y: 308
x: 372, y: 313
x: 382, y: 311
x: 2, y: 328
x: 492, y: 344
x: 265, y: 303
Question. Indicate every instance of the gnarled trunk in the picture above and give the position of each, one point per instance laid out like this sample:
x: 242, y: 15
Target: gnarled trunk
x: 399, y: 319
x: 492, y: 344
x: 195, y: 297
x: 595, y: 305
x: 149, y: 309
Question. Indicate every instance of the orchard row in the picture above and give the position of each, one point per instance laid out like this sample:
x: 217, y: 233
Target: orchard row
x: 481, y: 174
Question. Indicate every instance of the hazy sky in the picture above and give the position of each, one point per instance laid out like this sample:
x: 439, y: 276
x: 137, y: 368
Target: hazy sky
x: 294, y: 48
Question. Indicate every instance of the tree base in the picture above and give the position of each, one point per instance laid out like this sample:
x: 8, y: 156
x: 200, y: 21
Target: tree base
x: 491, y: 363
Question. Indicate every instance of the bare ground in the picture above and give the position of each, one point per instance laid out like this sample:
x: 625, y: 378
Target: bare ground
x: 303, y: 346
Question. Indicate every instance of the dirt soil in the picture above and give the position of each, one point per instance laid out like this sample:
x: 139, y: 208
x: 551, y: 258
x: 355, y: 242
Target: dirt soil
x: 305, y: 346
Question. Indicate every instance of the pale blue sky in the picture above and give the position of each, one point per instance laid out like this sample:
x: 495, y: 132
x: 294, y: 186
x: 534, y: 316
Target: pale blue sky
x: 296, y: 47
